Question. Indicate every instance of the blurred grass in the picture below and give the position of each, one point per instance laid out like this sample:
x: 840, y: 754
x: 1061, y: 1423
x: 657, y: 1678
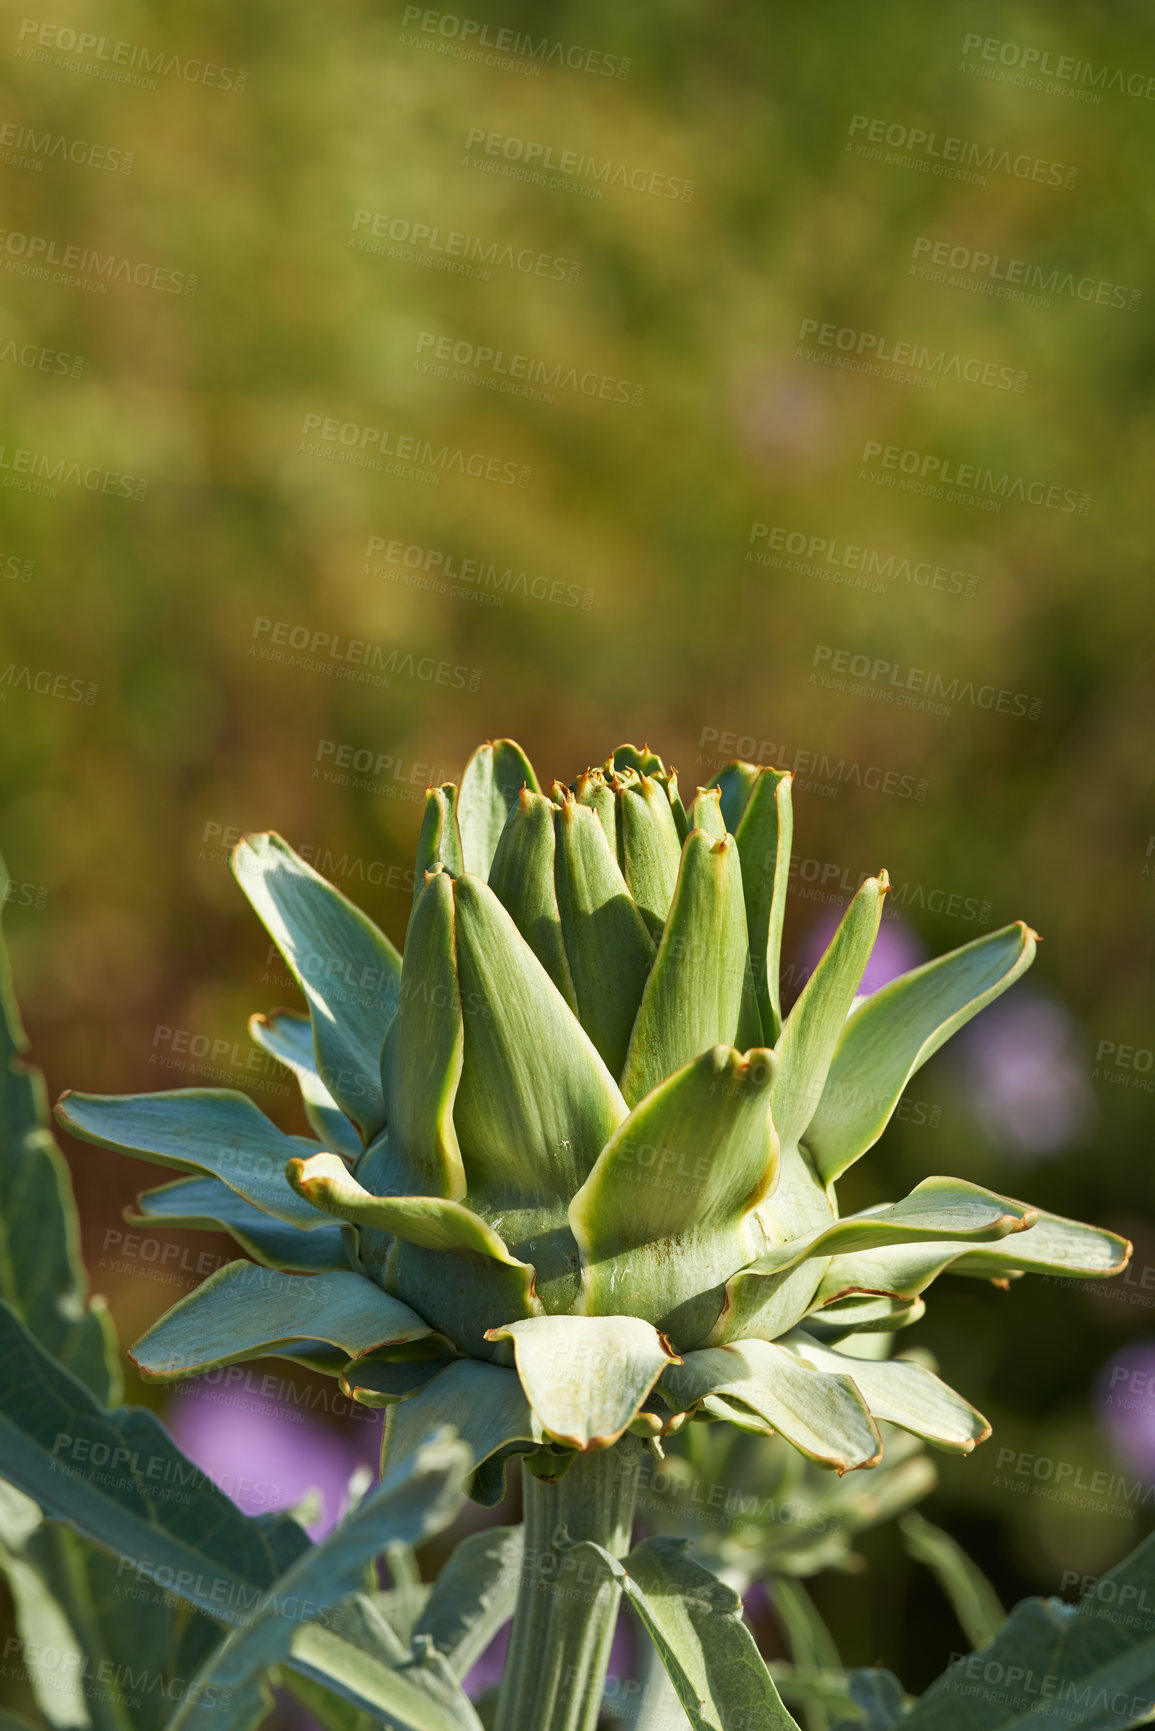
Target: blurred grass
x: 114, y: 814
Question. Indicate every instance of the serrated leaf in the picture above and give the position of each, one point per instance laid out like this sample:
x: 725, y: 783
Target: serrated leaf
x: 473, y: 1596
x: 586, y: 1376
x: 243, y: 1311
x: 41, y: 1271
x: 490, y: 785
x: 214, y: 1132
x: 207, y: 1204
x: 810, y: 1032
x: 762, y: 1385
x: 893, y: 1033
x: 348, y: 970
x: 665, y: 1215
x: 1085, y: 1668
x: 413, y: 1502
x: 288, y: 1037
x: 700, y: 991
x: 695, y: 1621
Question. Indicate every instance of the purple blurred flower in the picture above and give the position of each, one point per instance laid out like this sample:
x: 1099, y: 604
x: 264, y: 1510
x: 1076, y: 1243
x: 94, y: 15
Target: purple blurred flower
x: 1026, y: 1075
x: 1129, y: 1417
x: 266, y: 1454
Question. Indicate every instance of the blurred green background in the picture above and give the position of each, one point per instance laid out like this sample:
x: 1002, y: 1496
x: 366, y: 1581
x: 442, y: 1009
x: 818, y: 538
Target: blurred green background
x: 151, y: 707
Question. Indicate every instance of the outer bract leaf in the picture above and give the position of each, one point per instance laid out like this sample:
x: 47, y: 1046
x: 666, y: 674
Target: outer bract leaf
x: 1051, y: 1246
x: 1096, y: 1666
x: 586, y: 1376
x: 473, y: 1596
x: 485, y: 1403
x: 706, y: 813
x: 649, y: 846
x: 591, y: 788
x: 426, y: 1220
x: 640, y: 759
x: 700, y: 991
x: 938, y: 1208
x: 407, y: 1507
x: 41, y: 1270
x: 609, y: 950
x: 209, y: 1205
x: 665, y: 1215
x: 421, y: 1059
x: 207, y: 1130
x: 439, y: 843
x: 895, y: 1031
x: 349, y: 971
x: 823, y: 1415
x: 764, y: 834
x: 902, y: 1393
x: 535, y: 1105
x: 289, y: 1038
x: 53, y: 1437
x: 522, y: 879
x: 490, y: 785
x: 242, y: 1311
x: 864, y: 1313
x: 695, y: 1621
x: 811, y: 1030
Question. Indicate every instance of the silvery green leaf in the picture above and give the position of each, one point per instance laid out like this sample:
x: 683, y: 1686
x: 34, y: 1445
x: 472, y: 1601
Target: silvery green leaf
x: 473, y: 1596
x: 522, y: 878
x: 41, y: 1270
x: 1084, y: 1668
x: 289, y: 1038
x: 349, y: 971
x: 212, y: 1131
x: 485, y: 1402
x: 895, y: 1030
x: 764, y: 834
x: 695, y: 1621
x: 207, y: 1204
x: 414, y: 1501
x: 243, y: 1311
x: 649, y: 846
x: 439, y: 843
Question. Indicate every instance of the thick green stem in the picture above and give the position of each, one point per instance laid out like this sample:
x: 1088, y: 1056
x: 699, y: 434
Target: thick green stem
x: 566, y: 1606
